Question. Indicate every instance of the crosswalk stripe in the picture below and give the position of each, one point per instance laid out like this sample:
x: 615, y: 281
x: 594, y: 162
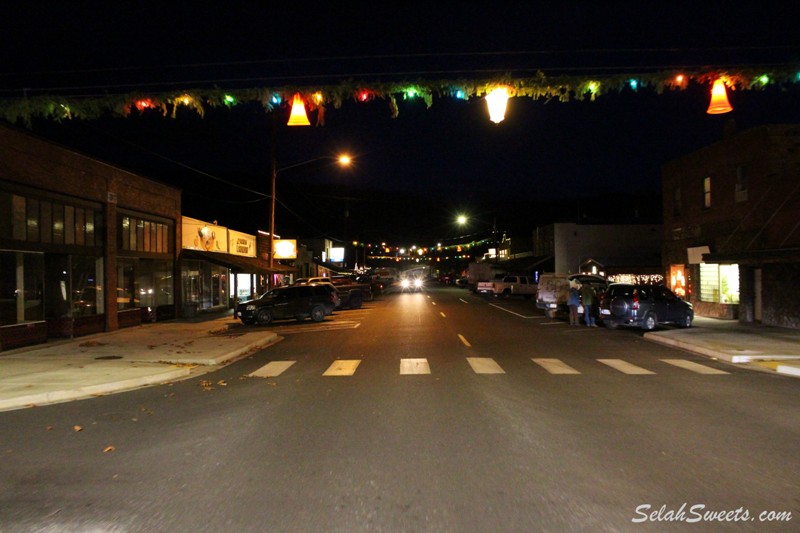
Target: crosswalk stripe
x: 625, y: 367
x: 343, y: 367
x: 694, y: 367
x: 273, y: 369
x: 414, y: 366
x: 555, y: 366
x: 484, y: 365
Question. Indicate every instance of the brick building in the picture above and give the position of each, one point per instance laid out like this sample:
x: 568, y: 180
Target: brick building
x: 732, y: 226
x: 84, y: 246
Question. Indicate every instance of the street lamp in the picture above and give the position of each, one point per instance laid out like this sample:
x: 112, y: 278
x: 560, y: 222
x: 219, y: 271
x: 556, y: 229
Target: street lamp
x: 343, y: 160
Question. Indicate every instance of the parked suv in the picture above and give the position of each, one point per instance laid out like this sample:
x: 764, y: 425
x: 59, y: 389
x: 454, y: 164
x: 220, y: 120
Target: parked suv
x: 300, y: 301
x: 644, y: 306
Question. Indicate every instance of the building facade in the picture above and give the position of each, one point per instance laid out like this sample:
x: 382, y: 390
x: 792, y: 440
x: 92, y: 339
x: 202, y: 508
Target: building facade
x: 85, y: 247
x: 732, y: 226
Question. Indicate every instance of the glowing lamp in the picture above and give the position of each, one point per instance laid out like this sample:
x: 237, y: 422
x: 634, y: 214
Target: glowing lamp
x: 298, y: 115
x: 719, y: 99
x: 496, y: 101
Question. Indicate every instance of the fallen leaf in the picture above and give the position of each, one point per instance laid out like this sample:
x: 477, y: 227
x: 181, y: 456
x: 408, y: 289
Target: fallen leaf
x: 222, y: 383
x: 49, y: 428
x: 109, y: 449
x: 77, y: 428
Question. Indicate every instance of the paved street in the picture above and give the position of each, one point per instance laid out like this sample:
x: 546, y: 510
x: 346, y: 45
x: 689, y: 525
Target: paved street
x: 435, y: 411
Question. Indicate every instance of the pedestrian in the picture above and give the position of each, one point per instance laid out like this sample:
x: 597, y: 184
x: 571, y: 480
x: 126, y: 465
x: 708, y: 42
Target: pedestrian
x: 588, y: 299
x: 573, y: 301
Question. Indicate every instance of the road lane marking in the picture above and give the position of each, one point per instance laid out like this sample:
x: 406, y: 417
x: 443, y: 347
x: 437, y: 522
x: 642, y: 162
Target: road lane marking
x: 625, y: 367
x: 343, y: 367
x: 512, y: 312
x: 484, y: 365
x: 552, y: 324
x: 414, y: 366
x: 463, y: 300
x: 465, y: 341
x: 273, y: 369
x: 694, y: 367
x: 443, y: 315
x: 555, y: 366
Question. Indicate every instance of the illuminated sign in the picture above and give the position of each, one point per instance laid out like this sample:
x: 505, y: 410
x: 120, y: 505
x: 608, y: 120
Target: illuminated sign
x: 285, y: 249
x: 337, y: 255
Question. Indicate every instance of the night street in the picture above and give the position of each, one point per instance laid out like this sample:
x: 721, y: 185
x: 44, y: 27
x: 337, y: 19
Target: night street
x: 432, y: 411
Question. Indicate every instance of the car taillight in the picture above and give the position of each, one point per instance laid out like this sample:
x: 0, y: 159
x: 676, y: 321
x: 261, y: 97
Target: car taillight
x: 635, y: 302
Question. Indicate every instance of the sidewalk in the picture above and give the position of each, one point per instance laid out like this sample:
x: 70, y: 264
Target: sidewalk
x: 764, y: 347
x: 166, y: 351
x: 122, y: 360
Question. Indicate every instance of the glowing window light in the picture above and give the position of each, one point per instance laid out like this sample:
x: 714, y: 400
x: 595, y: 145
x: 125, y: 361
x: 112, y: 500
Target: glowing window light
x: 496, y: 101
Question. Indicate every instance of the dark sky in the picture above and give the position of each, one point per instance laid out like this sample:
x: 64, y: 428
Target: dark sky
x: 413, y: 173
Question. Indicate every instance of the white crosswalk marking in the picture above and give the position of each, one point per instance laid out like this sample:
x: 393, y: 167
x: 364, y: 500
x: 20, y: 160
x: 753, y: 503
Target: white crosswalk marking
x: 625, y: 367
x: 694, y: 367
x: 414, y: 366
x: 484, y: 365
x: 273, y: 369
x: 343, y: 367
x: 555, y: 366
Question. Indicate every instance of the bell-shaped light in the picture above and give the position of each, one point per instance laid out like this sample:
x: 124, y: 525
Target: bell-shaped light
x: 496, y: 102
x: 298, y: 115
x: 719, y: 99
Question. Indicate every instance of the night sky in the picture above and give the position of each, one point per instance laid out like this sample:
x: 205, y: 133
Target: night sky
x: 547, y: 161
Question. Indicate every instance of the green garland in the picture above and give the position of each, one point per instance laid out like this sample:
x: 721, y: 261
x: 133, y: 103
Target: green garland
x: 561, y: 88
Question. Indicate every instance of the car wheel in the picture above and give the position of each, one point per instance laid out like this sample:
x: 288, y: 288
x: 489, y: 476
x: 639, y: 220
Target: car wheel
x: 686, y: 322
x: 506, y: 293
x: 264, y: 317
x: 355, y: 301
x: 649, y: 322
x: 318, y: 313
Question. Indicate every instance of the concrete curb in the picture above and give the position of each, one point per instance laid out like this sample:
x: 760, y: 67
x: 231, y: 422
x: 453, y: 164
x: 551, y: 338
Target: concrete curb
x: 89, y: 391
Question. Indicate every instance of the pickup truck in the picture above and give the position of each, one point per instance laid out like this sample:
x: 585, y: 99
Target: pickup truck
x: 509, y: 286
x: 352, y: 294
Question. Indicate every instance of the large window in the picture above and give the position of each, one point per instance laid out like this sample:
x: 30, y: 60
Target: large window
x: 140, y: 235
x: 204, y: 284
x: 719, y: 283
x: 87, y: 286
x: 21, y: 287
x: 47, y: 221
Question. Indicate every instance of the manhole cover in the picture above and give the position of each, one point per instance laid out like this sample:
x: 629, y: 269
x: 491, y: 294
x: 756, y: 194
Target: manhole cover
x: 107, y: 357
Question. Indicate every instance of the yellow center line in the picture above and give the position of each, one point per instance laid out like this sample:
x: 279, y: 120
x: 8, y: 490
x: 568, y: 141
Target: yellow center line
x: 465, y: 341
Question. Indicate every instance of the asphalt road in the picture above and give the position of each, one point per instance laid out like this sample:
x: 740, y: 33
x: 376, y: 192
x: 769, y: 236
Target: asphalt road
x: 489, y: 440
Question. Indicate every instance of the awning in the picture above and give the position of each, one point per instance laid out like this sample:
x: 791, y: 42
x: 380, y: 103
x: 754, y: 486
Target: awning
x: 754, y: 257
x: 237, y: 263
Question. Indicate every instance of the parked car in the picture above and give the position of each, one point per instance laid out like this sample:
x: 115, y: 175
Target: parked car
x: 644, y: 306
x: 351, y: 294
x: 298, y: 301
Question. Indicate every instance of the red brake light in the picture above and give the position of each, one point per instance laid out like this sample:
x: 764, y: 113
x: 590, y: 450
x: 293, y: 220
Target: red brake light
x: 635, y: 303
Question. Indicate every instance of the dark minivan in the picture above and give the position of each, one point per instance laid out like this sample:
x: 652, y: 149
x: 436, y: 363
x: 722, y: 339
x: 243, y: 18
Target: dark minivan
x: 299, y: 301
x: 643, y: 306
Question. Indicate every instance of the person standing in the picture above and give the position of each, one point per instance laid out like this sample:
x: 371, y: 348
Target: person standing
x: 588, y: 299
x: 573, y: 301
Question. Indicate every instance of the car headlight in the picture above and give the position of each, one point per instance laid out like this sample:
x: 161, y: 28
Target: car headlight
x: 417, y: 283
x: 405, y: 284
x: 251, y: 307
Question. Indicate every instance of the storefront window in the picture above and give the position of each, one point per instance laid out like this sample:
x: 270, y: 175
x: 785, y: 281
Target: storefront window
x: 21, y: 287
x: 87, y: 286
x: 719, y: 283
x: 677, y: 280
x: 127, y: 290
x: 154, y: 282
x: 204, y: 284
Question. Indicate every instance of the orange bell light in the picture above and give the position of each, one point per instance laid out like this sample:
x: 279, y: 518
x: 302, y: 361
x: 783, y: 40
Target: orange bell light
x: 719, y: 99
x: 298, y: 115
x: 496, y: 101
